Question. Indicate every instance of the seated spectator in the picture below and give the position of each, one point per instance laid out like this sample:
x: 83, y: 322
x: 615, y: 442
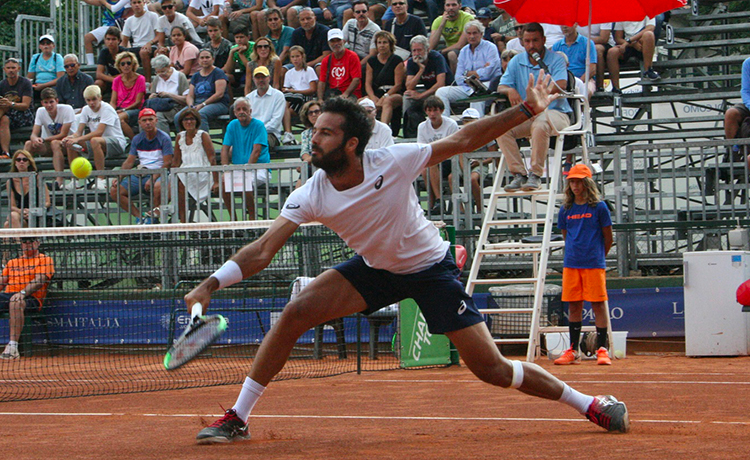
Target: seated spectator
x: 139, y: 34
x: 105, y: 138
x: 426, y: 72
x: 245, y: 142
x: 24, y: 280
x: 340, y: 72
x: 16, y: 94
x: 601, y: 35
x: 334, y: 9
x: 153, y: 150
x: 209, y: 92
x: 128, y: 91
x: 404, y: 26
x: 384, y: 81
x: 238, y: 13
x: 360, y: 32
x: 451, y: 26
x: 200, y: 11
x: 300, y: 83
x: 574, y: 46
x: 539, y: 127
x: 269, y: 106
x: 70, y: 86
x: 193, y: 148
x: 735, y: 116
x: 477, y: 166
x: 53, y: 123
x: 478, y: 59
x: 505, y: 25
x: 219, y: 45
x: 430, y: 6
x: 106, y: 70
x: 110, y: 19
x: 170, y: 19
x: 632, y: 39
x: 280, y: 35
x: 553, y: 33
x: 264, y: 55
x: 18, y: 190
x: 309, y: 114
x: 312, y: 37
x: 239, y: 56
x: 45, y: 67
x: 516, y: 44
x: 484, y: 15
x: 382, y: 135
x: 168, y: 92
x: 261, y: 26
x: 506, y: 56
x: 183, y: 55
x: 435, y: 127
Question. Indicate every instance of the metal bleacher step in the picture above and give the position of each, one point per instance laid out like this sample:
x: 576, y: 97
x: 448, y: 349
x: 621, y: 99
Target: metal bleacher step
x: 700, y: 62
x: 697, y: 95
x: 706, y: 44
x: 720, y: 16
x: 662, y: 135
x: 665, y: 121
x: 710, y: 30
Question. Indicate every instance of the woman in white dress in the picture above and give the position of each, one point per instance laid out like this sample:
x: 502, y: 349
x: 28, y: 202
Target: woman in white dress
x: 193, y: 149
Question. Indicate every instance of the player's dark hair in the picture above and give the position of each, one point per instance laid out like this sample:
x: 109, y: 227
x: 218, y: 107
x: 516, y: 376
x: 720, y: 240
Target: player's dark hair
x: 355, y: 119
x: 433, y: 102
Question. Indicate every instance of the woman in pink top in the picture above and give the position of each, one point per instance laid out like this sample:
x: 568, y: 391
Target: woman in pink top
x: 128, y: 91
x: 183, y: 55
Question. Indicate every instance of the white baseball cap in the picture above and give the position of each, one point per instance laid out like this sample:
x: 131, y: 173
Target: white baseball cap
x: 47, y: 37
x: 471, y: 113
x: 367, y: 103
x: 335, y: 33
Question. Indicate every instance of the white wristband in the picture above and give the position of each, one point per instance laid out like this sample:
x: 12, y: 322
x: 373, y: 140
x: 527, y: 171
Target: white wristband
x: 228, y: 274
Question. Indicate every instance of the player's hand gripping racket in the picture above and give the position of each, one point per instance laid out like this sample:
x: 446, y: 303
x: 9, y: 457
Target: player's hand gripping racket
x: 198, y: 335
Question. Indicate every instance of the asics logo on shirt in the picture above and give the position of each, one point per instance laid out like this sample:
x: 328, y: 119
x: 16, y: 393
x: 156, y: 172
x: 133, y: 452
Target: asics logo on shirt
x: 379, y: 182
x: 462, y: 308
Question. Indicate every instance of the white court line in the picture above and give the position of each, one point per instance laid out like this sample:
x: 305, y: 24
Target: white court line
x: 364, y: 417
x: 604, y: 382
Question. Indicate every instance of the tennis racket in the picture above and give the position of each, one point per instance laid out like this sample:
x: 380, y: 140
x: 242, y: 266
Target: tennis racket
x: 198, y: 335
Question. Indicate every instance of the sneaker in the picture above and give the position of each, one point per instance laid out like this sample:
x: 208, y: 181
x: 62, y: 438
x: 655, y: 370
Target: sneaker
x: 602, y: 357
x: 71, y: 186
x: 144, y: 221
x: 515, y: 185
x: 651, y: 74
x: 569, y: 357
x: 10, y: 353
x: 4, y: 156
x: 436, y: 209
x: 288, y: 139
x: 227, y: 429
x: 609, y: 413
x: 533, y: 183
x: 100, y: 185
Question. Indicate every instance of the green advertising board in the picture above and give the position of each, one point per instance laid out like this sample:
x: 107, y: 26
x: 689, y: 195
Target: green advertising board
x: 418, y: 346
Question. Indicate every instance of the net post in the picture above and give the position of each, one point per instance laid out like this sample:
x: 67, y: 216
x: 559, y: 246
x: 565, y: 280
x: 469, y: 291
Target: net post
x: 359, y: 343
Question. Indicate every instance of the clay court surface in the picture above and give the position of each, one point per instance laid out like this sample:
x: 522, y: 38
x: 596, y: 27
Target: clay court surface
x: 679, y: 408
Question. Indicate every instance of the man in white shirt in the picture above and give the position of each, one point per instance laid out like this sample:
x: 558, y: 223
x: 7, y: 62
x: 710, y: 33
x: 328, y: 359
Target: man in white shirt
x: 381, y: 136
x: 367, y: 198
x: 139, y: 34
x: 172, y: 18
x: 269, y: 105
x: 359, y: 31
x: 105, y: 137
x: 635, y: 38
x: 434, y: 128
x: 200, y: 11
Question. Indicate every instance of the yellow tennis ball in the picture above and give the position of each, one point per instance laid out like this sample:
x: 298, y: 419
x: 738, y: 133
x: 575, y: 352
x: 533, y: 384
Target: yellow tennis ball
x: 80, y: 167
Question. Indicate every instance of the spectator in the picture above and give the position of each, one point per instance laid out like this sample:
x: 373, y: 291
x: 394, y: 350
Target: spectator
x: 18, y: 188
x: 200, y: 11
x: 451, y: 27
x: 183, y: 55
x: 404, y: 26
x: 382, y: 135
x: 106, y: 70
x: 52, y: 124
x: 426, y: 72
x: 541, y: 126
x: 45, y: 67
x: 69, y: 87
x: 264, y: 55
x: 735, y: 116
x: 553, y: 33
x: 484, y: 15
x: 632, y: 39
x: 359, y: 32
x: 505, y: 25
x: 245, y: 142
x: 238, y: 14
x: 279, y: 34
x: 574, y: 46
x: 506, y: 56
x: 436, y: 127
x: 168, y: 92
x: 193, y: 148
x: 170, y: 19
x: 128, y: 91
x: 478, y: 59
x: 430, y: 6
x: 270, y: 107
x: 300, y: 83
x: 25, y: 280
x: 16, y: 94
x: 153, y: 150
x: 516, y: 44
x: 601, y: 35
x: 139, y: 34
x: 110, y: 19
x: 208, y: 91
x: 309, y: 115
x: 239, y: 56
x: 105, y: 137
x: 334, y: 9
x: 311, y: 36
x: 384, y: 81
x: 282, y: 8
x: 477, y: 166
x: 219, y: 46
x: 374, y: 12
x: 340, y: 72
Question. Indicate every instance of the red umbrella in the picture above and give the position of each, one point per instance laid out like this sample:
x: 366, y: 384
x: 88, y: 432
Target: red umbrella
x: 584, y: 12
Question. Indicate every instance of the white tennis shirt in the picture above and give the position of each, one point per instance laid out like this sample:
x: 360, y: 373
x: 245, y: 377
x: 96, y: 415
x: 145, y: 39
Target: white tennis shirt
x: 381, y: 218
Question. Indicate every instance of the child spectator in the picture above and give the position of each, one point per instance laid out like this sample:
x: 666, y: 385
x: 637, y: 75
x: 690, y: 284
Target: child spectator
x: 106, y: 71
x: 239, y: 57
x: 114, y: 13
x: 587, y: 228
x: 300, y: 83
x: 219, y: 45
x: 45, y: 67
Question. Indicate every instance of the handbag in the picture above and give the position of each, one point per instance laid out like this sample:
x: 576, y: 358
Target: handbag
x: 160, y: 104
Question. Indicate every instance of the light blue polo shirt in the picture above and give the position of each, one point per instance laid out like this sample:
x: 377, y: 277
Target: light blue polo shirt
x: 517, y: 75
x: 577, y: 54
x: 242, y: 139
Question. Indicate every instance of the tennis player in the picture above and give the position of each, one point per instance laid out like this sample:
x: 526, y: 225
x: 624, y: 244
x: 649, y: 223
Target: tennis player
x: 367, y: 198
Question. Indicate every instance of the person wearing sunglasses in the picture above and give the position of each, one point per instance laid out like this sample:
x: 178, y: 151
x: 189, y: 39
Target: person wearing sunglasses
x: 359, y: 30
x: 18, y: 188
x: 70, y: 87
x: 16, y: 94
x: 263, y: 55
x: 403, y: 26
x: 170, y: 19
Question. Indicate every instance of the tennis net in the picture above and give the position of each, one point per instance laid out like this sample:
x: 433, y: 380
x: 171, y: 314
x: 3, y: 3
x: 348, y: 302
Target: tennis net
x: 114, y: 305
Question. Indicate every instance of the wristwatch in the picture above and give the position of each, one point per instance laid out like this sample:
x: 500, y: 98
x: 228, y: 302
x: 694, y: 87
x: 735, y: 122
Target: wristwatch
x: 23, y: 292
x: 627, y: 40
x: 13, y: 104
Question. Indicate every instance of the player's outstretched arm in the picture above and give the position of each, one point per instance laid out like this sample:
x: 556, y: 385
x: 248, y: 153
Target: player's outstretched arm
x: 251, y: 259
x: 480, y: 133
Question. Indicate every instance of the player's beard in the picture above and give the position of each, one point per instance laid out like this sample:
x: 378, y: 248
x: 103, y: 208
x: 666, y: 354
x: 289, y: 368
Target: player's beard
x: 333, y: 161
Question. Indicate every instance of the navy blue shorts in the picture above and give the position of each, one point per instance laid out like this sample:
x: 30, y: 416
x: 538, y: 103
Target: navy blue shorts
x: 437, y: 290
x: 32, y: 304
